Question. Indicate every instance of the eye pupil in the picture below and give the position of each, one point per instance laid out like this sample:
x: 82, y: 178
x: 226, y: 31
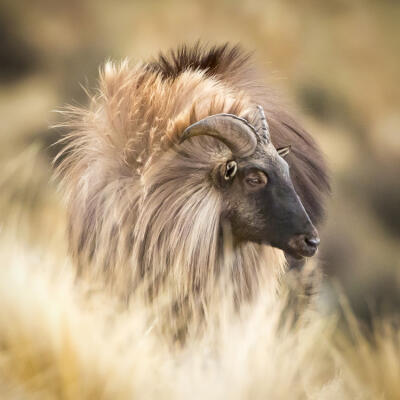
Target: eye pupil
x: 257, y: 179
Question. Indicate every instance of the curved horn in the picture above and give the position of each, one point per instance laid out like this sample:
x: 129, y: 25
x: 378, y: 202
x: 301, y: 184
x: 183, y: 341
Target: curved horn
x: 234, y: 131
x: 264, y: 125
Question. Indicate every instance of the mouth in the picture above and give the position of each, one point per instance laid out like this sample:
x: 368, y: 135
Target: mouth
x: 298, y: 255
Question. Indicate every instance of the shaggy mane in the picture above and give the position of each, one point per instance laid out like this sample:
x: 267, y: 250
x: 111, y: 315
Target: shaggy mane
x: 142, y: 210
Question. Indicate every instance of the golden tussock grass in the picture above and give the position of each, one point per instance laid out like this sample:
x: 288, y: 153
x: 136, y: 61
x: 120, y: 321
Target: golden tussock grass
x: 64, y: 339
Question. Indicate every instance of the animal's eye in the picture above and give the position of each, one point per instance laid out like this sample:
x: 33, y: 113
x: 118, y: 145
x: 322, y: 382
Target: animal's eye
x: 230, y: 171
x: 256, y: 179
x: 253, y: 181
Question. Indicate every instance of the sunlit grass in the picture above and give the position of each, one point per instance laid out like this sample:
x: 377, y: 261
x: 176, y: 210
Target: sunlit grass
x: 69, y: 339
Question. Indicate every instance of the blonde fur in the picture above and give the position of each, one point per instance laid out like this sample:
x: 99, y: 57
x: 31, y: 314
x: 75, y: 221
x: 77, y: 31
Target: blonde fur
x: 142, y: 208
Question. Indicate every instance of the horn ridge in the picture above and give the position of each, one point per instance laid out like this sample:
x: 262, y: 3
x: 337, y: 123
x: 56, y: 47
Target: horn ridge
x: 235, y: 132
x: 264, y: 124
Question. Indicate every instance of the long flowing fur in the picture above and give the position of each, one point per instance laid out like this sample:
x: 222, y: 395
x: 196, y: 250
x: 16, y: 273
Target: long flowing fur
x: 63, y: 340
x: 142, y: 209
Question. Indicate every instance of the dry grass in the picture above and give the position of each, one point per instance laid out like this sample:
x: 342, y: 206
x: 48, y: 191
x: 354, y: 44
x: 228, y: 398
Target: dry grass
x: 62, y: 339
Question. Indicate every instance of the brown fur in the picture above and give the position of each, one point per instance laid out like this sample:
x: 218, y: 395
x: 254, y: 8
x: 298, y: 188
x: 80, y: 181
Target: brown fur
x: 142, y: 208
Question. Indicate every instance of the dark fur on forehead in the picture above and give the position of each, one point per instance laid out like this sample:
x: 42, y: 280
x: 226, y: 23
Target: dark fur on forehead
x: 232, y: 66
x: 214, y: 61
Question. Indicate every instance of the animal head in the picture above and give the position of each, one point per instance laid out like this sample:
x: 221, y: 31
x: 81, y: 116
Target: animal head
x: 259, y: 199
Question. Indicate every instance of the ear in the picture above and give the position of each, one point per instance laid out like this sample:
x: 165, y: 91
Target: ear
x: 230, y: 170
x: 284, y: 151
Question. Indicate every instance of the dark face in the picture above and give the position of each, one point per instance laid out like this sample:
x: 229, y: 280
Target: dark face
x: 262, y: 205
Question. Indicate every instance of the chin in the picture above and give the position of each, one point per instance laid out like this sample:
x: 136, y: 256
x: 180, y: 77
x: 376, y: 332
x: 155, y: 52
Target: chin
x: 297, y: 255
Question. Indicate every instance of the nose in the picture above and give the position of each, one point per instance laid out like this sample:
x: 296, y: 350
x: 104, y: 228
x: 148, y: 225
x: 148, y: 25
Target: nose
x: 312, y: 241
x: 304, y: 245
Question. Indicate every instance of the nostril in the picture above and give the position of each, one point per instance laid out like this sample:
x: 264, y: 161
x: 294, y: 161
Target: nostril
x: 313, y: 241
x: 304, y: 245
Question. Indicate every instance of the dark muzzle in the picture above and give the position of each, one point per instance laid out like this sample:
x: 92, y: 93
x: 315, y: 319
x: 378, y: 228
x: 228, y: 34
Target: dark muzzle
x: 304, y: 245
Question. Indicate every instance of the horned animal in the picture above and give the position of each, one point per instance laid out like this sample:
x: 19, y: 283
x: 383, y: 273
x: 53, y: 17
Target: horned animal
x: 185, y: 168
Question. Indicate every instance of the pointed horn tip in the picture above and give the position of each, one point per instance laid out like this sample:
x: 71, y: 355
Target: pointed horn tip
x: 264, y: 123
x: 261, y: 110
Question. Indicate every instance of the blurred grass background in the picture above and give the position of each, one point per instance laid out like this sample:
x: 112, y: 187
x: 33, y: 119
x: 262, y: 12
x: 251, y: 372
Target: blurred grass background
x: 336, y: 62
